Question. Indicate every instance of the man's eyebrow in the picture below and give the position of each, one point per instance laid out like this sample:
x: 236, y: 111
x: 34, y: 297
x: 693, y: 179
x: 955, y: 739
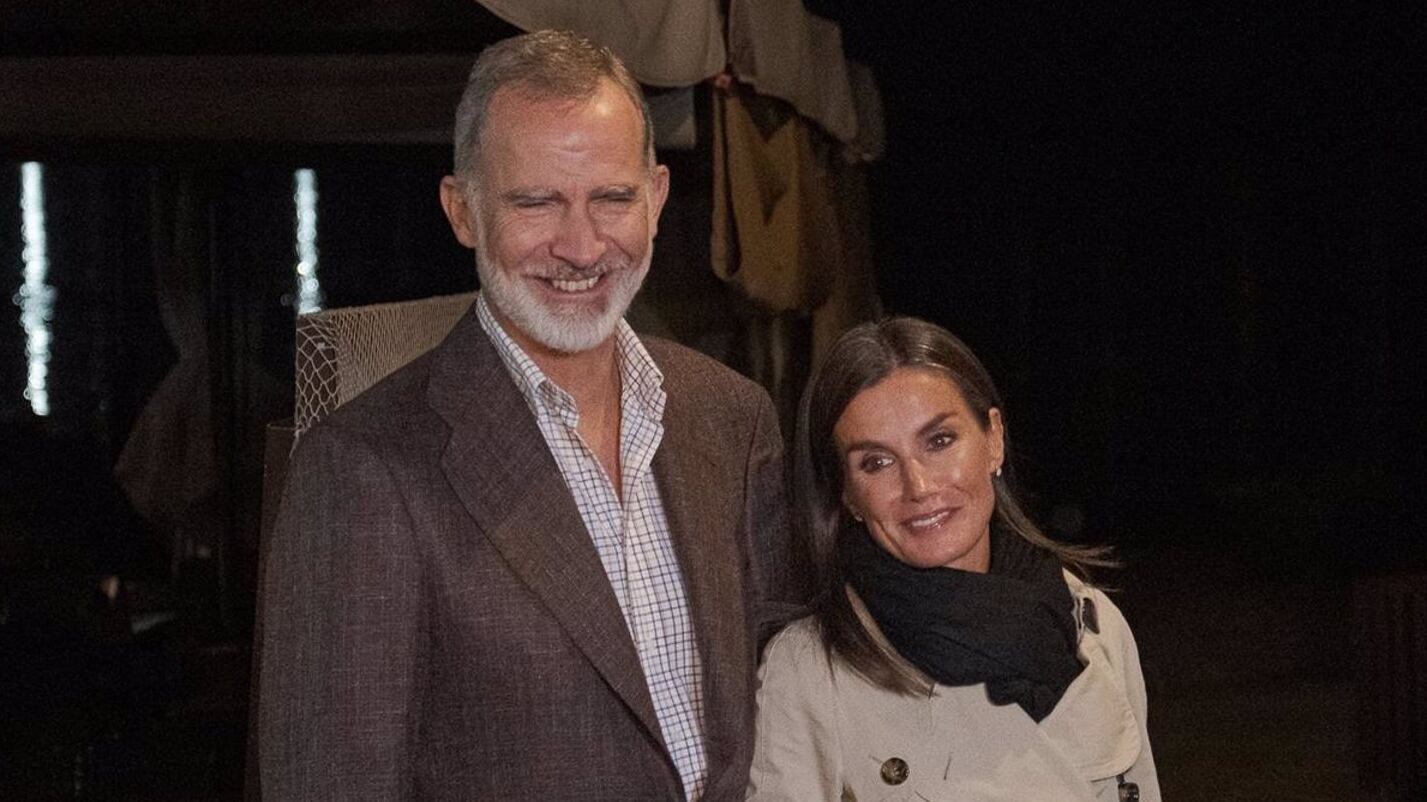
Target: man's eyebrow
x: 616, y: 191
x: 528, y: 194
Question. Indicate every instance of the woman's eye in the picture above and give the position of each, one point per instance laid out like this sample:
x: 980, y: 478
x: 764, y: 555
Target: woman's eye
x: 941, y: 440
x: 873, y: 464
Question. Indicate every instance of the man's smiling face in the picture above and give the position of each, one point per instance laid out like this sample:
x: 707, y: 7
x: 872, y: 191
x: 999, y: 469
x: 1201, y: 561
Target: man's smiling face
x: 564, y: 212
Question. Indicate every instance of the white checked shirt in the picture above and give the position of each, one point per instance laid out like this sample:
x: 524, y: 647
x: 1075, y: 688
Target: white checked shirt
x: 632, y: 539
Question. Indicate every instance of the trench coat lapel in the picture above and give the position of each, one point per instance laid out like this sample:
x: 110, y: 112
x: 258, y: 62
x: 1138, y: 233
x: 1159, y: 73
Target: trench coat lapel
x: 697, y: 494
x: 504, y: 475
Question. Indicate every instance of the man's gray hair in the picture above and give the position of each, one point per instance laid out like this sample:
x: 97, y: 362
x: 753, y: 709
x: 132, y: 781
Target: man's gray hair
x: 553, y: 65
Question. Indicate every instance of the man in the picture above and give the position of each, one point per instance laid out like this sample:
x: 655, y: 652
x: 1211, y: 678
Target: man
x: 529, y: 565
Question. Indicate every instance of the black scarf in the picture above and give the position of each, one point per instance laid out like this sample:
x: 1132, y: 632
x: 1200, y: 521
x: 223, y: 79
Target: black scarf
x: 1012, y: 628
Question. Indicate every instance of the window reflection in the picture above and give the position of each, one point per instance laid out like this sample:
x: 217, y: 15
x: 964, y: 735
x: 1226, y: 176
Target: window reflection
x: 304, y: 196
x: 35, y: 297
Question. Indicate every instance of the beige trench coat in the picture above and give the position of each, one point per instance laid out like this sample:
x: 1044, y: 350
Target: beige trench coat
x: 825, y: 733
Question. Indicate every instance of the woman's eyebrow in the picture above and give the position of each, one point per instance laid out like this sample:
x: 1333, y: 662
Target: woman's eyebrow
x: 926, y: 429
x: 935, y: 422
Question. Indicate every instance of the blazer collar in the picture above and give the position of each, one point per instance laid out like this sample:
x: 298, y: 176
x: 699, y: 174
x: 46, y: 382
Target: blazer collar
x: 702, y: 499
x: 500, y: 469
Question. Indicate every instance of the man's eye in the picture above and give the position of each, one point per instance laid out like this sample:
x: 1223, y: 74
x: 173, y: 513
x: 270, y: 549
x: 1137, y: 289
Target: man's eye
x: 532, y: 203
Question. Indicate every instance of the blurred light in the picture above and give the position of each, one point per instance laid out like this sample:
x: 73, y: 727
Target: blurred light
x: 35, y: 298
x: 304, y: 197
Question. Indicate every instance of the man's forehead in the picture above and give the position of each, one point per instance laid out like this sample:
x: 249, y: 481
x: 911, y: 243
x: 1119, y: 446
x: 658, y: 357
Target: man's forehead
x: 522, y: 123
x: 522, y: 99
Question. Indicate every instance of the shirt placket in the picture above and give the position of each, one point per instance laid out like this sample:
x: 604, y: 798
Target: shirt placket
x: 597, y: 496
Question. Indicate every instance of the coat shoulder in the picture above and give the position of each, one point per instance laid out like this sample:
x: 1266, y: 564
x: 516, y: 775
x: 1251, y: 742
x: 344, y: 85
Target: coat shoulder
x: 796, y: 653
x: 1096, y: 611
x: 797, y: 637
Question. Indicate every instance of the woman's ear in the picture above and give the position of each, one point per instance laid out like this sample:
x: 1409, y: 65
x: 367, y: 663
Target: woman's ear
x: 996, y: 434
x: 847, y: 505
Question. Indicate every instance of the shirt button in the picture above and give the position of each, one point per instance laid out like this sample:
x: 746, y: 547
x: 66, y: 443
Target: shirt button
x: 894, y: 771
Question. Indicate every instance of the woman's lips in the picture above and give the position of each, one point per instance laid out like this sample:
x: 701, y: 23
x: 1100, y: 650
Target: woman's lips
x: 931, y: 520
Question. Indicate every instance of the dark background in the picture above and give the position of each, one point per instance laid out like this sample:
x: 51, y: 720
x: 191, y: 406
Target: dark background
x: 1174, y: 232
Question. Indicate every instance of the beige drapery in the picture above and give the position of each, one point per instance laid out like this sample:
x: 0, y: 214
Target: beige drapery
x: 167, y: 467
x: 776, y: 46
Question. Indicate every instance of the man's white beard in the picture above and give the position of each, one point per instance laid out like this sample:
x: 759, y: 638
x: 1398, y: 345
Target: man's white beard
x: 566, y: 327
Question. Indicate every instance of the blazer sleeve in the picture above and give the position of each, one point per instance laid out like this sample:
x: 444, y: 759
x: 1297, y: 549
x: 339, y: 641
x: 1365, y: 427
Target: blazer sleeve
x: 779, y: 590
x: 341, y: 630
x: 797, y: 756
x: 1143, y: 773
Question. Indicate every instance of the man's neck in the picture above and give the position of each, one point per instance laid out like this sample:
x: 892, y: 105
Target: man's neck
x: 586, y: 375
x: 592, y: 378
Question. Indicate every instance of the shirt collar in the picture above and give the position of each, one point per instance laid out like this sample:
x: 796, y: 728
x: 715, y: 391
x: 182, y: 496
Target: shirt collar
x: 642, y: 382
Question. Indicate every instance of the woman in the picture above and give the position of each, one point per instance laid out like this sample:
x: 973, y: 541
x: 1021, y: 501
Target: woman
x: 953, y: 653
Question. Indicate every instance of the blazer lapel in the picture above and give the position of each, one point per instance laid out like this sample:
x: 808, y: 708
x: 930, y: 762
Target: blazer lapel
x: 697, y: 491
x: 503, y: 473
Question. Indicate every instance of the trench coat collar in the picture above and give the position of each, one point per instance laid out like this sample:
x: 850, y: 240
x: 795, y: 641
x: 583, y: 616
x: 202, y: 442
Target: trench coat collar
x: 1094, y: 724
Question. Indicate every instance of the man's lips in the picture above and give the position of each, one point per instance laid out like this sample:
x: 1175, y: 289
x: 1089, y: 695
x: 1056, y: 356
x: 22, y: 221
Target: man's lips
x: 571, y: 286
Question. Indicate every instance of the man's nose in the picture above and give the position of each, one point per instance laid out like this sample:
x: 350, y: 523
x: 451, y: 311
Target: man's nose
x: 578, y: 242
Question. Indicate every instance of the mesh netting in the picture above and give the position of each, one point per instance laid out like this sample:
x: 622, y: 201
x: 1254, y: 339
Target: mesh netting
x: 341, y: 352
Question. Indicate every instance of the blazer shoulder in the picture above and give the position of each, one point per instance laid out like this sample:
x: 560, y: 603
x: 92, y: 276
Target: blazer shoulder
x: 389, y: 412
x: 698, y: 374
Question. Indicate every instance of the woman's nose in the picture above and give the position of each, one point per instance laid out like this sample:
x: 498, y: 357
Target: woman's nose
x: 915, y: 482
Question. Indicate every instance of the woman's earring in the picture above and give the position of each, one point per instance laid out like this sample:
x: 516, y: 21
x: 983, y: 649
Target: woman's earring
x: 998, y: 470
x: 856, y: 517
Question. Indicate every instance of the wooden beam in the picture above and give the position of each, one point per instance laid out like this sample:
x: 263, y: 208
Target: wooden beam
x: 301, y: 99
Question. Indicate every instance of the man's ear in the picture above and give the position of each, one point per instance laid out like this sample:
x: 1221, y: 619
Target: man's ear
x: 459, y: 212
x: 658, y: 193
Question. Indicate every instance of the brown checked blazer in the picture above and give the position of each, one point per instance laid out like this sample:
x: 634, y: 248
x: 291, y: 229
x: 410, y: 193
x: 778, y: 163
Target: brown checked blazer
x: 437, y: 623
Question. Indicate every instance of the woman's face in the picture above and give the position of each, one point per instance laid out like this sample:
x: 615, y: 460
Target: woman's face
x: 918, y: 466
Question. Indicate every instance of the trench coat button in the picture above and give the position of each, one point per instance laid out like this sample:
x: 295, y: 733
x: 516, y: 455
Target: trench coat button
x: 894, y: 771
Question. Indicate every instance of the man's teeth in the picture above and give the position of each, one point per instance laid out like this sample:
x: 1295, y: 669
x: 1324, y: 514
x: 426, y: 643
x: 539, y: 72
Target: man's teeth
x: 579, y: 285
x: 929, y: 521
